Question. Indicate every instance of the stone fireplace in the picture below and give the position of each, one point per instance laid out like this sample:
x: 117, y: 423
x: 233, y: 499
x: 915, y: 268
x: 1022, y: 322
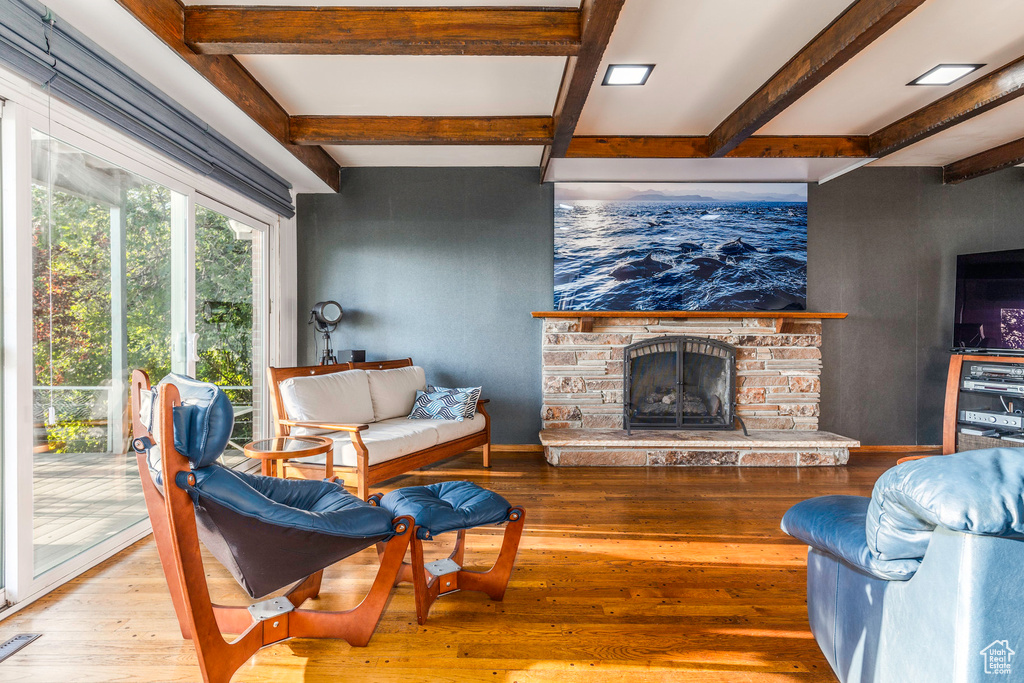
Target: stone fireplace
x: 593, y: 415
x: 679, y: 382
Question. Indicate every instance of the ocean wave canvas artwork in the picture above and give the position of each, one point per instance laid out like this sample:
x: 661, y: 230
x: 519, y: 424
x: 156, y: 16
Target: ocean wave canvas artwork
x: 680, y: 246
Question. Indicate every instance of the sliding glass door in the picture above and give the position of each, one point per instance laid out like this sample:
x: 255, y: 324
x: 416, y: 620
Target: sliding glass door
x: 101, y: 292
x: 230, y: 328
x: 127, y: 273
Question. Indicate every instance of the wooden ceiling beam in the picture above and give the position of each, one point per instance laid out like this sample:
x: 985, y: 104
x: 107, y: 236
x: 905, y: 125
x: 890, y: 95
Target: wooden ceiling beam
x: 802, y: 147
x: 852, y: 31
x: 999, y: 87
x: 697, y: 147
x: 597, y: 21
x: 421, y: 130
x: 383, y: 30
x: 989, y: 161
x: 165, y: 18
x: 638, y: 147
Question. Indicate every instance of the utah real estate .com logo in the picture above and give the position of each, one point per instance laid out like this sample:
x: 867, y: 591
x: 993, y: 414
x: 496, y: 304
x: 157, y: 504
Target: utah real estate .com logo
x: 998, y: 657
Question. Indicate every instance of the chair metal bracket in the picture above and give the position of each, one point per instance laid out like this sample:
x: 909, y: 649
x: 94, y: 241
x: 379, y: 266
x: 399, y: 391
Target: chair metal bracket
x: 269, y: 609
x: 442, y: 567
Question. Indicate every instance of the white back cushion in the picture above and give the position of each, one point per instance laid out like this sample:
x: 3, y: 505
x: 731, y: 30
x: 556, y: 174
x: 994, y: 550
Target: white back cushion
x: 394, y: 391
x: 339, y: 397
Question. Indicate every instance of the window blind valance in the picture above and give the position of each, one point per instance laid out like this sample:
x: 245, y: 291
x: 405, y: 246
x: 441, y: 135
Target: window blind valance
x: 41, y: 47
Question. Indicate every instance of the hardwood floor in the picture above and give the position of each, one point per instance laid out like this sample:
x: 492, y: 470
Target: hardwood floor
x: 624, y: 574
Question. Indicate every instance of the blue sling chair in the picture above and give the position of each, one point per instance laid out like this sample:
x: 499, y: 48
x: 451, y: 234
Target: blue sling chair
x: 269, y: 533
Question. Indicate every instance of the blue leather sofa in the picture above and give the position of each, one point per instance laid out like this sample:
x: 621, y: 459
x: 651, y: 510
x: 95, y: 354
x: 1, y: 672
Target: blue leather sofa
x: 924, y: 581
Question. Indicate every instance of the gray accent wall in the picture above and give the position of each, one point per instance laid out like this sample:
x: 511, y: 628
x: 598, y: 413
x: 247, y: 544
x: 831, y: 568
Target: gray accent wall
x: 446, y: 264
x: 882, y: 246
x: 443, y: 265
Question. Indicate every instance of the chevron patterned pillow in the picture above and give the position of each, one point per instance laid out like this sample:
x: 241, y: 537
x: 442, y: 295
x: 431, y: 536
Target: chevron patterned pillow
x: 440, y: 405
x: 473, y: 396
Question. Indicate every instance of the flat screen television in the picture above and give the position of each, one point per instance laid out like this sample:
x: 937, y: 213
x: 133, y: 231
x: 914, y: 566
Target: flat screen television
x: 989, y: 309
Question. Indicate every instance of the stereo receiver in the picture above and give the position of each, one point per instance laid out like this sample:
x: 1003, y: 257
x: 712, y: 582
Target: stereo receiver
x: 992, y: 419
x: 996, y: 387
x: 998, y: 371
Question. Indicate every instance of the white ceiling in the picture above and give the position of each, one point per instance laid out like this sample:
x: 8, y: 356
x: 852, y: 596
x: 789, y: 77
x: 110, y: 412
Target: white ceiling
x: 871, y: 90
x: 409, y: 86
x: 985, y: 131
x: 710, y: 55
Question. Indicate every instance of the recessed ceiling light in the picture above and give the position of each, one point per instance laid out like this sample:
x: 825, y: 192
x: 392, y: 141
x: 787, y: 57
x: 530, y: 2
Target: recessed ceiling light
x: 627, y: 74
x: 945, y: 74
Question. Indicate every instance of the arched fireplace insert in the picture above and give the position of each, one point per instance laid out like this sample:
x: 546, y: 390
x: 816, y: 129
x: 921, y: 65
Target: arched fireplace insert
x: 679, y: 383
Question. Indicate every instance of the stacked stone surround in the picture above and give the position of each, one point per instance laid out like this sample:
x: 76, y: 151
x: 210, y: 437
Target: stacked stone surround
x: 778, y: 368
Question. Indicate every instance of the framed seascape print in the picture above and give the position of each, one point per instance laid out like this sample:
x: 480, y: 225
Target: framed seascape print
x: 680, y: 246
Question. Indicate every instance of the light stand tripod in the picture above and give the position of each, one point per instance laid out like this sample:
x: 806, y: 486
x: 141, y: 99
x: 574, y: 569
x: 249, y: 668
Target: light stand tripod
x: 327, y: 357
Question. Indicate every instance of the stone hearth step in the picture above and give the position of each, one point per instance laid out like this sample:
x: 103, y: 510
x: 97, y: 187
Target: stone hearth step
x: 762, y: 448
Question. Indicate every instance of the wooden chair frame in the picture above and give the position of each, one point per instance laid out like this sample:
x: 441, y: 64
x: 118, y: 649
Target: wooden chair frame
x: 364, y: 475
x: 427, y: 587
x: 177, y: 541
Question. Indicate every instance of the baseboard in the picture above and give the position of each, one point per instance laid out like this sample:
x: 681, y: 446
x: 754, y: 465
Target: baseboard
x: 865, y: 450
x: 513, y: 448
x: 903, y: 448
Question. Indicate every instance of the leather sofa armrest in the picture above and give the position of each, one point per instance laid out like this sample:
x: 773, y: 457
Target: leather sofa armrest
x: 353, y: 428
x: 835, y: 525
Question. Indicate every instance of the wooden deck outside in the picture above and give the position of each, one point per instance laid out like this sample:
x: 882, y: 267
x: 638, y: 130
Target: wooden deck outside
x: 82, y: 499
x: 79, y: 500
x: 624, y: 574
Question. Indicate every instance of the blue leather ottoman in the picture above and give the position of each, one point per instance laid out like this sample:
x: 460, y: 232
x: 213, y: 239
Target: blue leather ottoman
x: 453, y: 506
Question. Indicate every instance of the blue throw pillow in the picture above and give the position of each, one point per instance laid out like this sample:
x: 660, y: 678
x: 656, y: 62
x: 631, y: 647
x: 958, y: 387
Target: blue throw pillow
x: 472, y: 396
x: 438, y: 405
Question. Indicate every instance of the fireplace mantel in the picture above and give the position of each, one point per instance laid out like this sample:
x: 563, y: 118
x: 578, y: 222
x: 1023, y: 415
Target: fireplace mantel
x: 688, y: 314
x: 587, y: 318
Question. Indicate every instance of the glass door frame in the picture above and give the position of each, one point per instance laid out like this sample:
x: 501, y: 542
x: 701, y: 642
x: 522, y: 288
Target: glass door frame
x: 26, y: 109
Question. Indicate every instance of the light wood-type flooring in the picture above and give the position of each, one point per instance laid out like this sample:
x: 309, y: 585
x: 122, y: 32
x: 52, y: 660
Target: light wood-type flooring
x: 624, y: 574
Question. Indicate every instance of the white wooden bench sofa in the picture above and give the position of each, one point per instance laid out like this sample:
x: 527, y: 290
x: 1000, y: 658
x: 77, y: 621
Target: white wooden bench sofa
x: 364, y: 408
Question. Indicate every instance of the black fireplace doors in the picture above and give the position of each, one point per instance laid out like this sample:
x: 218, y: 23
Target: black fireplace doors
x: 679, y: 383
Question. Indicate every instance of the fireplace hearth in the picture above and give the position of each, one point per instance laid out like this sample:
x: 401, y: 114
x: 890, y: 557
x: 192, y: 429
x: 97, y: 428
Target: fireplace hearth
x: 679, y: 382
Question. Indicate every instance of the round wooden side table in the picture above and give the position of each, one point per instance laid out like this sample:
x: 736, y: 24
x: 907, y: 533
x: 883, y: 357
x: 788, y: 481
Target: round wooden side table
x: 275, y: 450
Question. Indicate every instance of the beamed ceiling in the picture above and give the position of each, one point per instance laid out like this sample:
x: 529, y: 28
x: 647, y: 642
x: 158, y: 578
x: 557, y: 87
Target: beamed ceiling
x: 742, y: 90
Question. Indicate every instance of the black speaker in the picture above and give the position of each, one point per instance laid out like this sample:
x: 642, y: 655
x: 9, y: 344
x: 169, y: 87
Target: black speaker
x: 351, y: 356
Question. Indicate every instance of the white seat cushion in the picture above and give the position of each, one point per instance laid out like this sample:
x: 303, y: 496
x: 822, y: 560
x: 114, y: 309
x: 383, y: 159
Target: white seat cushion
x: 449, y: 430
x: 394, y: 391
x: 384, y: 440
x: 339, y: 397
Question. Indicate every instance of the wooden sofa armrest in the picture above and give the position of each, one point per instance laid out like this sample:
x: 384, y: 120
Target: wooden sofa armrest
x: 353, y: 428
x: 482, y: 401
x: 915, y: 457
